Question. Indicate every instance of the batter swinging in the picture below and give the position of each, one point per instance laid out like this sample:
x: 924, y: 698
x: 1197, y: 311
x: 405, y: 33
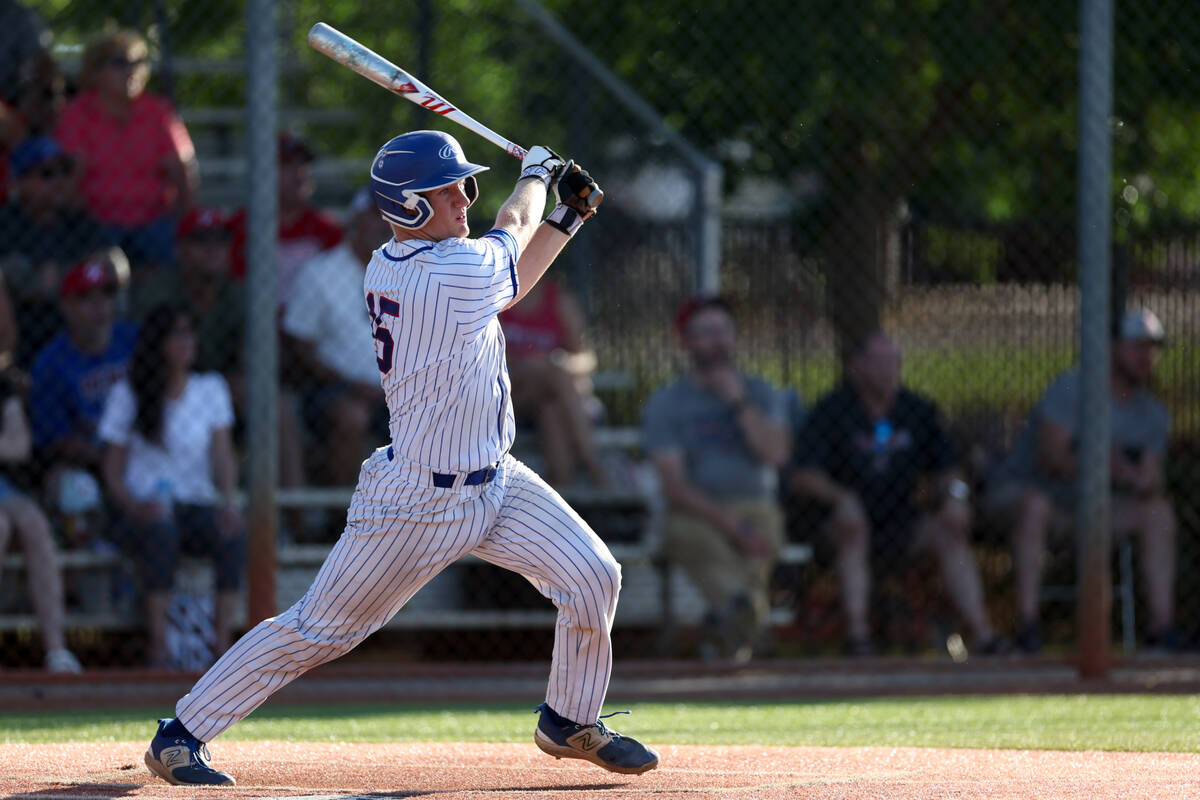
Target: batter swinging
x: 446, y: 485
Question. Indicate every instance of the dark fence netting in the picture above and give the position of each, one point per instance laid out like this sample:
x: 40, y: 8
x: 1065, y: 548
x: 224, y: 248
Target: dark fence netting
x: 810, y: 372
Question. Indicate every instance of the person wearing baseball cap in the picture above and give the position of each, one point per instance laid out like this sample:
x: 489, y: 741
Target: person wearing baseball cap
x: 72, y: 373
x: 717, y: 438
x: 204, y: 286
x: 304, y: 229
x: 42, y: 234
x: 1034, y: 489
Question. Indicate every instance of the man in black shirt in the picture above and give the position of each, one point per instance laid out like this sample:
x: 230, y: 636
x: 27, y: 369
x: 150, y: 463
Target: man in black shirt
x: 878, y: 456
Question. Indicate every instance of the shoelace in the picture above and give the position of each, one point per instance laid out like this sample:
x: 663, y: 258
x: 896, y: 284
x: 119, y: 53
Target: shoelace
x: 604, y: 729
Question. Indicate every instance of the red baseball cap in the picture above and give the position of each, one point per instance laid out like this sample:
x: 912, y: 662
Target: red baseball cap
x: 86, y: 276
x: 688, y: 308
x: 202, y: 220
x: 293, y: 148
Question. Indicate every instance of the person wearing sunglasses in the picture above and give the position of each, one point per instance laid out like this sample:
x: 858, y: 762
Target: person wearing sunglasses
x: 137, y: 160
x: 41, y: 236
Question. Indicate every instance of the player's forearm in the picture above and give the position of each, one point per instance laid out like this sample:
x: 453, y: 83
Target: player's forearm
x: 536, y: 258
x: 522, y: 211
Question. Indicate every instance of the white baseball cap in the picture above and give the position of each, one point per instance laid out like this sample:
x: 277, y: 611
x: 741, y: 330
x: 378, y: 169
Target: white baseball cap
x: 1141, y: 325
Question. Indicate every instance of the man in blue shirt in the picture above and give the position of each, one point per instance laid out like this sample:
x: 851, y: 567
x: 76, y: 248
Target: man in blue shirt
x: 72, y: 374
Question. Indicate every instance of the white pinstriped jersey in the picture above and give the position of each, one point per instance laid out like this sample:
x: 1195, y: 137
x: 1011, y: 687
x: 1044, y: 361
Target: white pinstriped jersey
x: 440, y: 352
x: 440, y: 349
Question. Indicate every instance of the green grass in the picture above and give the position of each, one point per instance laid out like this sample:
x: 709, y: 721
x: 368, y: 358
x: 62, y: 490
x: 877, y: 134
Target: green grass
x: 1057, y: 722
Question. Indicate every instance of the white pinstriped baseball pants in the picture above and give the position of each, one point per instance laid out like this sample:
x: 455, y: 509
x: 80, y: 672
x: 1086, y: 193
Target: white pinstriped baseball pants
x: 400, y: 533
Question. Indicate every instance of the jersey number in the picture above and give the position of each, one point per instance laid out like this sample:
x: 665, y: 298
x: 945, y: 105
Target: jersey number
x: 383, y: 355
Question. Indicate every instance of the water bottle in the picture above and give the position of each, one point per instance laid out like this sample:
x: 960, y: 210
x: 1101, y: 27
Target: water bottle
x: 163, y: 495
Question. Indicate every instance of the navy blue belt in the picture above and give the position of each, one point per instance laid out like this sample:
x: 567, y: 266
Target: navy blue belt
x: 445, y: 480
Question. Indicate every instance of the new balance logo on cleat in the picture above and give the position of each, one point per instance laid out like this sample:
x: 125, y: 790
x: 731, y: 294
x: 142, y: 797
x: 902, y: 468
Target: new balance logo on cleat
x: 594, y: 743
x: 172, y: 757
x: 183, y: 760
x: 587, y: 740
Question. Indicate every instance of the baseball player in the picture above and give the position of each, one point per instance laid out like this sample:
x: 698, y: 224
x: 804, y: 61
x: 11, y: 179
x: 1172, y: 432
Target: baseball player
x: 445, y: 486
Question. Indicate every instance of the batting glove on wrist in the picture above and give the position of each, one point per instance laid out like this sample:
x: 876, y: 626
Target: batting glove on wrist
x: 542, y: 163
x: 577, y: 190
x: 565, y: 219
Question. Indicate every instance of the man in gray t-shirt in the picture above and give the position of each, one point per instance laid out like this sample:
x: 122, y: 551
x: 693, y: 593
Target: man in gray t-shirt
x: 717, y: 439
x: 1035, y: 485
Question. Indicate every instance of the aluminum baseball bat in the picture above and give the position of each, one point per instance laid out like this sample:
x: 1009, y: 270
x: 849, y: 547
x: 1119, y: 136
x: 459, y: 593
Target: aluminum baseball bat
x: 377, y: 69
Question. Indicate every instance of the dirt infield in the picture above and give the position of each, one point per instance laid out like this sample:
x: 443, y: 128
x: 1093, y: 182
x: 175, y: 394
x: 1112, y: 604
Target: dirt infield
x: 520, y: 772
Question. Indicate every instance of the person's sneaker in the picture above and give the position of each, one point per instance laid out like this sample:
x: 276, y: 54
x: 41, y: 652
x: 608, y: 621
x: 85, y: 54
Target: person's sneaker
x: 856, y: 647
x: 995, y: 646
x: 1029, y: 638
x: 595, y: 743
x: 62, y: 661
x: 1164, y: 642
x: 183, y: 759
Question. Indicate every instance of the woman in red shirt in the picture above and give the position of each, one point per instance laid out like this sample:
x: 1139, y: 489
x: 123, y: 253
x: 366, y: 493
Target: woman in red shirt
x: 137, y: 159
x: 549, y: 368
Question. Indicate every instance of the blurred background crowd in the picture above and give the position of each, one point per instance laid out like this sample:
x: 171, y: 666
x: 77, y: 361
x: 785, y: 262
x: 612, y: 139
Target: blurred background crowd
x: 849, y: 423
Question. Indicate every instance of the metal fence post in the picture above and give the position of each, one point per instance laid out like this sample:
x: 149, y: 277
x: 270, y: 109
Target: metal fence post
x: 1095, y: 256
x: 262, y: 358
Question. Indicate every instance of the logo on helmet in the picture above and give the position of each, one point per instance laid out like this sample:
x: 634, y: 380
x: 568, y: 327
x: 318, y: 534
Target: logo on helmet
x: 447, y: 152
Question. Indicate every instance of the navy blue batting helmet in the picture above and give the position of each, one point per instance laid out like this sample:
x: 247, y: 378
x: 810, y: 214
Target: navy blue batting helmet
x: 418, y: 162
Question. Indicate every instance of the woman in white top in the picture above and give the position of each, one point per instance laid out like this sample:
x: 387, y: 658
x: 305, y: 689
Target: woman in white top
x: 169, y: 466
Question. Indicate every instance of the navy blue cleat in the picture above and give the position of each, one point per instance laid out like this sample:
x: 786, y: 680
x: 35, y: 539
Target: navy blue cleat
x: 183, y: 759
x: 562, y: 738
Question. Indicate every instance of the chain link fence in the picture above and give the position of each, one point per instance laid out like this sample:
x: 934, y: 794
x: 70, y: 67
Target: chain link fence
x: 900, y: 167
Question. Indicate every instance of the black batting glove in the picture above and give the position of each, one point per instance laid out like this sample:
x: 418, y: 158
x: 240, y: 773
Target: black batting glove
x: 578, y: 197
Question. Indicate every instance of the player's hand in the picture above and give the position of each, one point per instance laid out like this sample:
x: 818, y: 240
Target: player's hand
x: 578, y: 197
x: 578, y: 190
x: 543, y: 163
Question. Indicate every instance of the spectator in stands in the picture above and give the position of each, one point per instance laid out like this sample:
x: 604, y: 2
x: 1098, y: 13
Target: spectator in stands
x: 137, y: 160
x: 41, y: 95
x: 23, y: 34
x: 169, y: 467
x: 23, y: 37
x: 71, y: 377
x: 205, y: 286
x: 327, y: 335
x: 550, y: 368
x: 1033, y: 490
x: 41, y: 236
x: 18, y: 512
x: 717, y: 438
x: 867, y: 451
x: 304, y: 230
